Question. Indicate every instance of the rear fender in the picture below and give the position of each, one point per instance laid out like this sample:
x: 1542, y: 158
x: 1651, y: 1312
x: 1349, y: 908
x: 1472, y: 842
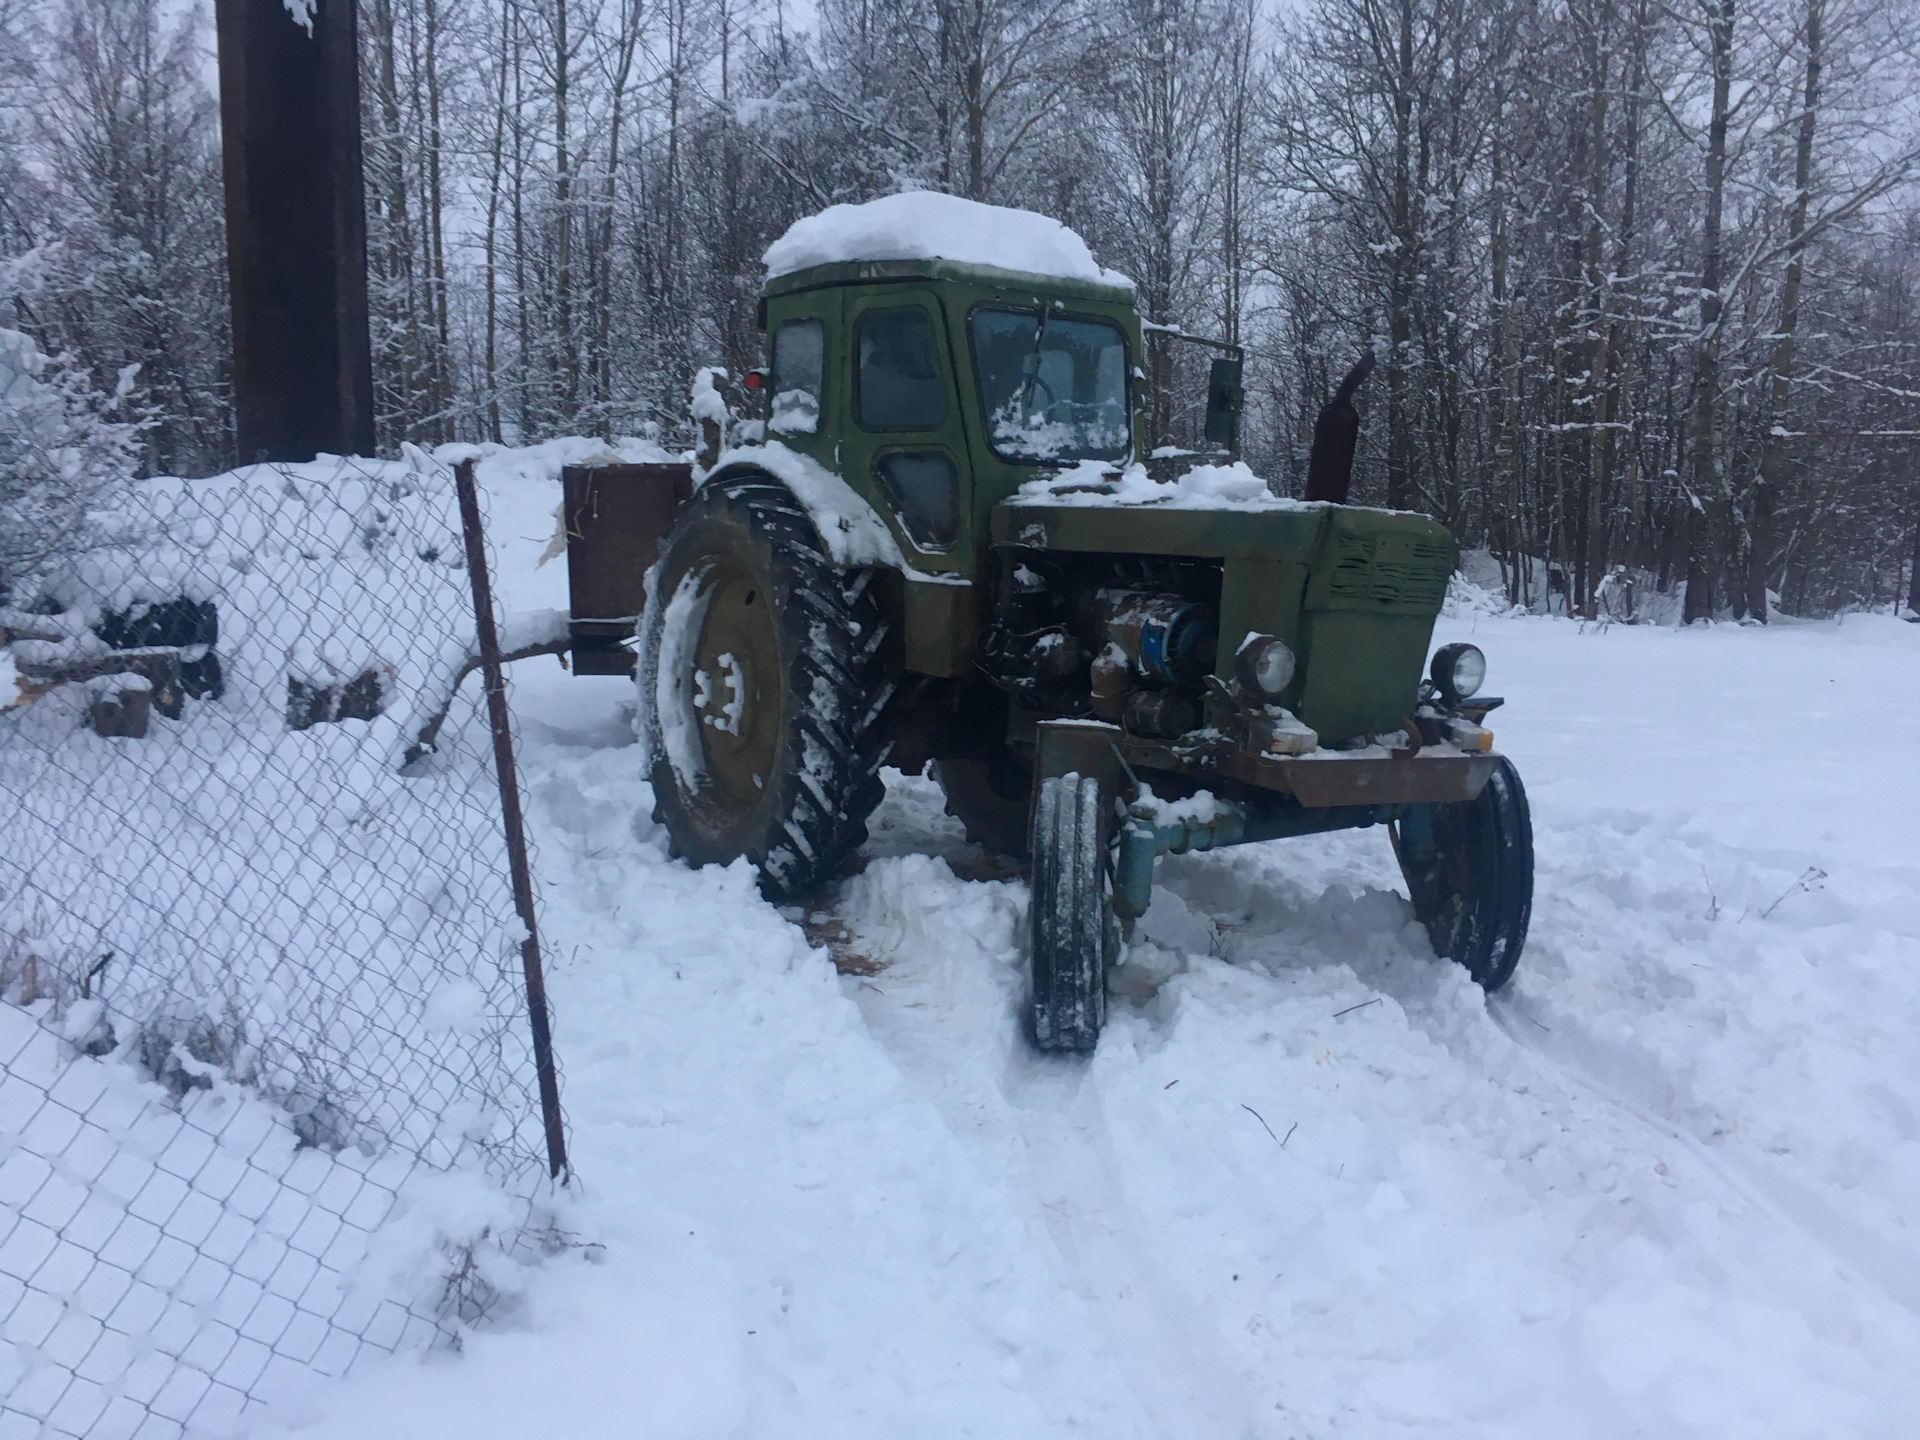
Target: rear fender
x: 936, y: 617
x: 850, y: 530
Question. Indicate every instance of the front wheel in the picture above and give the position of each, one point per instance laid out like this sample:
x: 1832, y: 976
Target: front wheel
x: 1469, y: 869
x: 1070, y: 918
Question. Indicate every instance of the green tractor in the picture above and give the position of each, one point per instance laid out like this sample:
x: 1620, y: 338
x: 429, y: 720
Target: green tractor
x: 941, y: 547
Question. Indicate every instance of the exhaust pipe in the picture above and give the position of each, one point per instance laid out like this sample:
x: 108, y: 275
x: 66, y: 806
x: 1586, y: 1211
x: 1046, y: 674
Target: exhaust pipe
x: 1335, y: 432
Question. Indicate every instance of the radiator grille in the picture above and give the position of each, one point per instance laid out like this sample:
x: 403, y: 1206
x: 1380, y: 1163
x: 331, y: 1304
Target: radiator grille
x: 1387, y: 572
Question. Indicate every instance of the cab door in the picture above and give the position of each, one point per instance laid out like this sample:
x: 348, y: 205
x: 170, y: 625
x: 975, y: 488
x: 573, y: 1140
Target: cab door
x: 905, y: 446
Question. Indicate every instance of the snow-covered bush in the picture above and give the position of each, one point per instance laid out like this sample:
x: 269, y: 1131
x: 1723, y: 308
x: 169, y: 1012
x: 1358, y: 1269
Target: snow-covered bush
x: 62, y: 450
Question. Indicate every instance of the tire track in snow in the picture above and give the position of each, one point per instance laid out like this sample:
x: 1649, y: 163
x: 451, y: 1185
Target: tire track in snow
x: 1076, y: 1179
x: 1630, y: 1232
x: 944, y: 1007
x: 1839, y: 1281
x: 1867, y: 1259
x: 1812, y: 1229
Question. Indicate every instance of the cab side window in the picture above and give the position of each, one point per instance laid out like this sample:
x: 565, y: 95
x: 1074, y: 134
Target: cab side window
x: 897, y: 374
x: 797, y: 352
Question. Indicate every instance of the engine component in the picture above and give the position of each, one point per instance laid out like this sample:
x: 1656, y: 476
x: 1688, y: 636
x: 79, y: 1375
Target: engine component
x: 1029, y: 651
x: 1166, y: 637
x: 1161, y: 713
x: 1025, y: 664
x: 1108, y: 676
x: 1054, y: 655
x: 1023, y: 603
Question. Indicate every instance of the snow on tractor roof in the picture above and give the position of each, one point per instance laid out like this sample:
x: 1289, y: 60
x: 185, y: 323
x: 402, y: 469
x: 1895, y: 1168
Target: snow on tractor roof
x: 927, y: 225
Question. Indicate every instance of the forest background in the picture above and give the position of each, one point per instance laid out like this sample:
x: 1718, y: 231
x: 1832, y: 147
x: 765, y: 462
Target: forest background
x: 1643, y: 276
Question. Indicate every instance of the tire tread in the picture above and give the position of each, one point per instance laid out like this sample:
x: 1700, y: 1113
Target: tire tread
x: 1067, y: 916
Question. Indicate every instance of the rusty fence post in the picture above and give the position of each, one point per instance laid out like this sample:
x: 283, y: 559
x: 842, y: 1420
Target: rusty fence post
x: 510, y: 817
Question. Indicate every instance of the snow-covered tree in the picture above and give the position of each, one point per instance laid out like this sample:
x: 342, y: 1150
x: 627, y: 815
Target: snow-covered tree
x: 113, y: 234
x: 63, y: 450
x: 1586, y: 364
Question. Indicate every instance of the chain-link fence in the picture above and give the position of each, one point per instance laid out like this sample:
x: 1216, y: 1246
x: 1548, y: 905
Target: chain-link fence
x: 269, y: 1100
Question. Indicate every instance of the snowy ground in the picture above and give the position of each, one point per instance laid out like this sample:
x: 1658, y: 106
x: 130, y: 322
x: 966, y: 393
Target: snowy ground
x: 1313, y: 1183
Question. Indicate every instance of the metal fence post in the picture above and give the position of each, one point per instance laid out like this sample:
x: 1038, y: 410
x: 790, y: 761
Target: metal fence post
x: 510, y: 818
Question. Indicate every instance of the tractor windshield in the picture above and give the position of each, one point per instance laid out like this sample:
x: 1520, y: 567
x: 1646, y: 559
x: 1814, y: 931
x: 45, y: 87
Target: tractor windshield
x: 1052, y: 390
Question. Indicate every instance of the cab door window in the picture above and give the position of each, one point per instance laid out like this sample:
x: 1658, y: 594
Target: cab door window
x: 897, y: 372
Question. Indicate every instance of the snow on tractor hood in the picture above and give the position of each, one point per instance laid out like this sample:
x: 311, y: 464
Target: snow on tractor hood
x: 927, y: 225
x: 1099, y: 484
x: 1096, y: 484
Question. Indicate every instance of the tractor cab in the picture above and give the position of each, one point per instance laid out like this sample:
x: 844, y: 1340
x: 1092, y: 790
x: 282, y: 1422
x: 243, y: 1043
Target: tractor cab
x: 936, y: 389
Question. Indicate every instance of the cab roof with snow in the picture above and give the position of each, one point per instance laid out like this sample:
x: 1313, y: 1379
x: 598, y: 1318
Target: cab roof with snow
x: 928, y: 236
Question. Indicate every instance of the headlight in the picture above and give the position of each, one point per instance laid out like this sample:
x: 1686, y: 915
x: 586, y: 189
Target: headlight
x: 1458, y: 671
x: 1265, y: 664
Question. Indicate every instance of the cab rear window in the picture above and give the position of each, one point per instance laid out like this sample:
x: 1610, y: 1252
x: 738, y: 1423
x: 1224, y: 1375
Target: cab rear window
x: 797, y: 354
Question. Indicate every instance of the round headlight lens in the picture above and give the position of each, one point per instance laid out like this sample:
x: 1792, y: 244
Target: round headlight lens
x: 1459, y: 670
x: 1266, y: 664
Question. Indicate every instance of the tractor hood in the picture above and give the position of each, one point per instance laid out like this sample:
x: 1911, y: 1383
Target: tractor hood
x: 1354, y: 591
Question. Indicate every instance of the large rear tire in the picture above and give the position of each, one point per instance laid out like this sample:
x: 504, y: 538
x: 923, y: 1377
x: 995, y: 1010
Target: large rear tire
x: 1471, y: 877
x: 1070, y: 917
x: 762, y: 668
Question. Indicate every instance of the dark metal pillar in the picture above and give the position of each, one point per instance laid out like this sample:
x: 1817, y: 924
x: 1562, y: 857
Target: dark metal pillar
x: 296, y: 229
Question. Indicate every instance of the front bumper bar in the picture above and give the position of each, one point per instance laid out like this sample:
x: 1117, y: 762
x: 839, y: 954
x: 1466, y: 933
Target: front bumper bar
x: 1323, y: 779
x: 1310, y: 794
